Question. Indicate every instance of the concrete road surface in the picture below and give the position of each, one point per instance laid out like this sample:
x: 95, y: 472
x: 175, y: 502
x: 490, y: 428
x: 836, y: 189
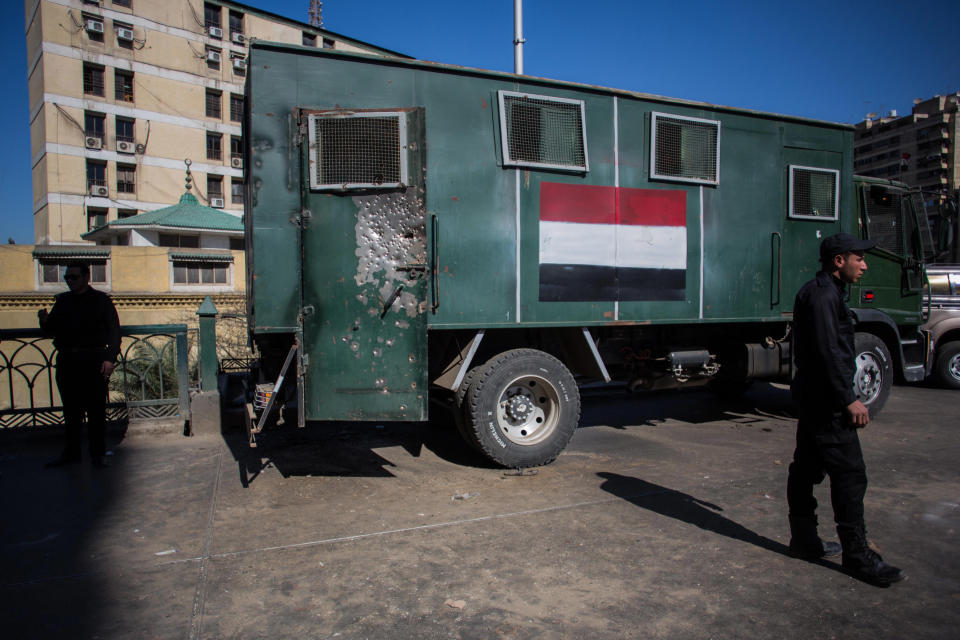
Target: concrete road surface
x: 665, y: 518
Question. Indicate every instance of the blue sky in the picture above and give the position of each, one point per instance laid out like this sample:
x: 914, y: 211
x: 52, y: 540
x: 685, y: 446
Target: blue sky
x: 827, y: 60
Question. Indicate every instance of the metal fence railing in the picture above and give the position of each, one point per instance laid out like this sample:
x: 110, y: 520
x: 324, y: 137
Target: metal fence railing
x: 153, y: 377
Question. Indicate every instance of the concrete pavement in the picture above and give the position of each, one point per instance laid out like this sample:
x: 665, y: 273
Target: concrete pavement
x: 665, y: 518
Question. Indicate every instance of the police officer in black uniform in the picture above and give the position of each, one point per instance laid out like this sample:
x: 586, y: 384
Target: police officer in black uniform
x: 86, y: 333
x: 830, y: 414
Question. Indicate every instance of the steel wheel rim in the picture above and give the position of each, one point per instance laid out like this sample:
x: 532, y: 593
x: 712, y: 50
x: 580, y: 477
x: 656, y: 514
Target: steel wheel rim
x: 868, y: 379
x: 953, y: 366
x: 528, y: 410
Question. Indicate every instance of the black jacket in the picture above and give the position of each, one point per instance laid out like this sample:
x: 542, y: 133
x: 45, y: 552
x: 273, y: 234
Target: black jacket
x: 823, y: 339
x: 84, y: 323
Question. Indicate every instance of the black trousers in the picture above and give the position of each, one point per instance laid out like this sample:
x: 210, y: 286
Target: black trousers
x: 83, y: 390
x: 826, y: 446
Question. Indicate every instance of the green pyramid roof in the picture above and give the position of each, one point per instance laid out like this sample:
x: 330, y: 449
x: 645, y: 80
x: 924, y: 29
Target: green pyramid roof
x: 188, y: 214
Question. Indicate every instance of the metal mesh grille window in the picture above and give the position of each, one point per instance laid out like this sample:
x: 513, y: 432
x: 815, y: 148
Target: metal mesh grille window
x: 814, y: 193
x: 540, y: 131
x: 360, y: 150
x: 685, y: 149
x: 884, y: 226
x: 214, y: 146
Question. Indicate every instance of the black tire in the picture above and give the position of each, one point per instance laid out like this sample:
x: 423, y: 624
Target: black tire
x: 947, y: 367
x: 461, y: 399
x: 522, y: 408
x: 874, y: 374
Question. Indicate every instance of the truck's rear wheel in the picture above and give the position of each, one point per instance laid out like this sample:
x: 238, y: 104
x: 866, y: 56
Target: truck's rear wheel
x: 874, y: 375
x: 948, y: 365
x: 522, y: 408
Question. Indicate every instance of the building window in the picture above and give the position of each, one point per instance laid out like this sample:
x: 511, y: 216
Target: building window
x: 236, y: 147
x: 190, y: 272
x: 237, y: 244
x: 309, y: 39
x: 125, y: 129
x: 211, y: 16
x: 122, y: 3
x: 51, y: 269
x: 239, y: 64
x: 328, y: 43
x: 126, y: 213
x: 543, y: 131
x: 96, y: 218
x: 93, y: 25
x: 214, y: 187
x: 214, y: 151
x: 124, y: 33
x: 213, y: 103
x: 236, y: 23
x: 236, y: 107
x: 236, y: 191
x: 93, y: 79
x: 126, y: 178
x: 123, y: 85
x: 93, y: 124
x: 213, y: 57
x: 96, y: 174
x: 178, y: 241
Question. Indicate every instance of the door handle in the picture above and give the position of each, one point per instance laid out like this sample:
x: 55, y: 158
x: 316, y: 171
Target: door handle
x: 776, y: 245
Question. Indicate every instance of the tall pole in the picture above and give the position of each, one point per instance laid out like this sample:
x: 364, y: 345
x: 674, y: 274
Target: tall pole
x: 518, y: 37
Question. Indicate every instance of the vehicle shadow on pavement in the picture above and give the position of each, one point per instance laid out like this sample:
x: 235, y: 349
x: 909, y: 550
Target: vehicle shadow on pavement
x: 614, y: 407
x: 686, y: 508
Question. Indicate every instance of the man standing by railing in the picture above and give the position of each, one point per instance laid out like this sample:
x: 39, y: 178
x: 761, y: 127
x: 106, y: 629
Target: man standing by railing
x: 86, y: 333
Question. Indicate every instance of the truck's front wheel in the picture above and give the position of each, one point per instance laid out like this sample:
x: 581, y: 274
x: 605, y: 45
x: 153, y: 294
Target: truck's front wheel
x: 522, y: 408
x: 948, y: 364
x: 874, y: 375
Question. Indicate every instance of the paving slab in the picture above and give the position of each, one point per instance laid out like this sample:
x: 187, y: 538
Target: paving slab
x: 665, y: 518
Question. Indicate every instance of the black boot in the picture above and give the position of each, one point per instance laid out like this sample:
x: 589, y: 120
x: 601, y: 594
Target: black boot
x: 863, y: 563
x: 806, y: 544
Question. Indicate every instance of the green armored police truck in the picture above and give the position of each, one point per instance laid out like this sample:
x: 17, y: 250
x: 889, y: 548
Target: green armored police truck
x: 417, y: 231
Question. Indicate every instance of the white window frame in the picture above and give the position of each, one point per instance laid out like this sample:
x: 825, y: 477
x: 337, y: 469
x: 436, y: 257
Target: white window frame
x: 505, y: 141
x: 836, y: 193
x: 313, y: 140
x: 654, y: 116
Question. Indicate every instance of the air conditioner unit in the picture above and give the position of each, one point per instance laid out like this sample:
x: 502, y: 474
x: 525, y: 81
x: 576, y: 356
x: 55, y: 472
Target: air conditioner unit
x: 216, y: 203
x: 94, y: 26
x: 213, y: 56
x: 215, y: 32
x: 240, y: 64
x: 98, y: 191
x: 238, y: 38
x: 124, y: 34
x: 236, y: 163
x: 92, y: 142
x: 126, y: 147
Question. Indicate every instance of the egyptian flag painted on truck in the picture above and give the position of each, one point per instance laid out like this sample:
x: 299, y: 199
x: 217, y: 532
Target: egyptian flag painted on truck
x: 612, y: 243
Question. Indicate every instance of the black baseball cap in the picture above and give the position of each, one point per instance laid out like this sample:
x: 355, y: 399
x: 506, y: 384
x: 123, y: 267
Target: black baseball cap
x: 843, y: 243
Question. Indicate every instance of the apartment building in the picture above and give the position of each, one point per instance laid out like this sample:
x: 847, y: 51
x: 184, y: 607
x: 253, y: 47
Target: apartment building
x: 919, y: 149
x: 123, y: 91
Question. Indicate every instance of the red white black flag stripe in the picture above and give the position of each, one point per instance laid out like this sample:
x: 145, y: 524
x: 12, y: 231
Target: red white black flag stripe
x: 612, y: 243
